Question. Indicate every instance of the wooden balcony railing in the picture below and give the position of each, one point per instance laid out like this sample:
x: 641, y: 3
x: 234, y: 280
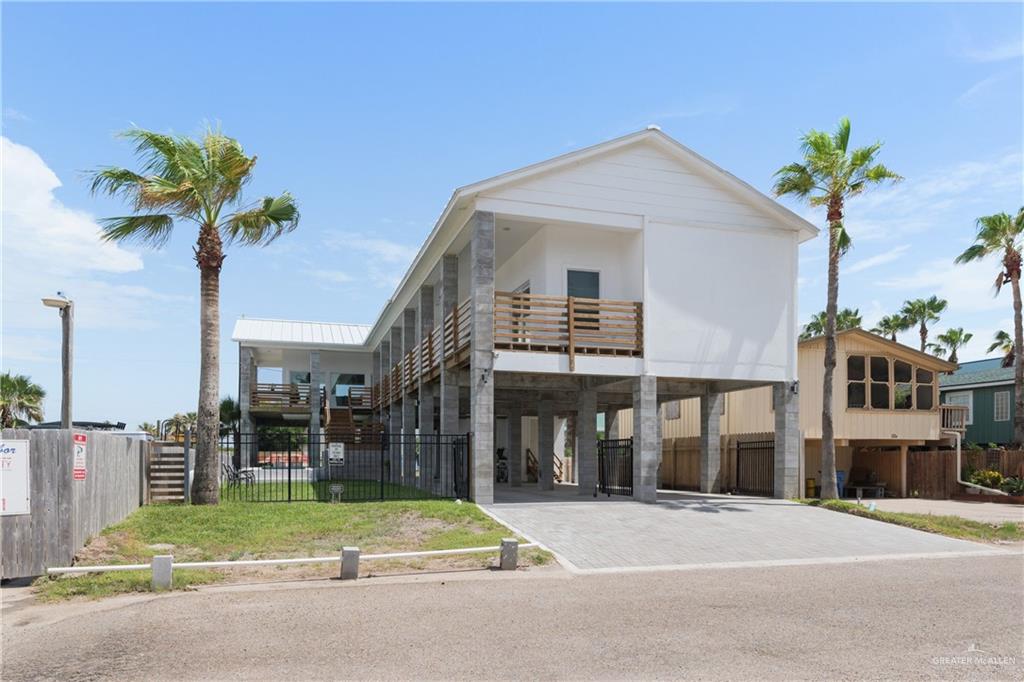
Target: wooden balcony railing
x: 360, y: 397
x: 953, y: 418
x: 282, y: 397
x: 560, y: 324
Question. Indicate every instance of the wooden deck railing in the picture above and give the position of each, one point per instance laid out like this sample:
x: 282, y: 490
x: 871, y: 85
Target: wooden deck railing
x: 953, y: 418
x: 566, y: 324
x: 522, y: 322
x: 283, y: 397
x: 360, y: 397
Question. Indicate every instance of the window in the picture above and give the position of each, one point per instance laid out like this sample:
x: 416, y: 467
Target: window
x: 583, y: 284
x: 672, y: 410
x: 1001, y: 406
x: 299, y: 377
x: 341, y: 383
x: 965, y: 398
x: 880, y: 383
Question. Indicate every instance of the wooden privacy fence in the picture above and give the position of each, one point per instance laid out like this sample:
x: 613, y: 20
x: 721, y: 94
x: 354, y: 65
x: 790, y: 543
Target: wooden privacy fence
x: 933, y: 474
x: 680, y: 460
x: 65, y: 509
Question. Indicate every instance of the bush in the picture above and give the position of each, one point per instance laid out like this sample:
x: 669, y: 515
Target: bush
x: 986, y: 478
x: 1013, y: 486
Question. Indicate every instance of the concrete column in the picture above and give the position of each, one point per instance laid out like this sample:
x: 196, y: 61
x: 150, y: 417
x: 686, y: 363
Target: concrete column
x: 448, y: 386
x: 611, y: 424
x: 481, y: 357
x: 545, y: 445
x: 395, y: 412
x: 515, y: 447
x: 246, y: 379
x: 382, y: 373
x: 315, y: 379
x: 646, y: 444
x: 410, y: 337
x: 586, y: 442
x: 375, y: 369
x: 787, y: 439
x: 428, y: 453
x: 711, y: 443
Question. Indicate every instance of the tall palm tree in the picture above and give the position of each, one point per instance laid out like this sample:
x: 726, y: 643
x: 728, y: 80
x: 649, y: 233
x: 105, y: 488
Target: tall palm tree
x: 1003, y: 342
x: 891, y: 325
x: 182, y: 180
x: 1001, y: 235
x: 21, y: 401
x: 151, y: 429
x: 950, y: 341
x: 176, y: 426
x: 230, y: 414
x: 922, y: 311
x: 829, y: 175
x: 847, y: 318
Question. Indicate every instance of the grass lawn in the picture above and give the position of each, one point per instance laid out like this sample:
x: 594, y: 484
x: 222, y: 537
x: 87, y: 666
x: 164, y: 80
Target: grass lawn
x: 353, y: 490
x: 952, y: 526
x: 265, y: 530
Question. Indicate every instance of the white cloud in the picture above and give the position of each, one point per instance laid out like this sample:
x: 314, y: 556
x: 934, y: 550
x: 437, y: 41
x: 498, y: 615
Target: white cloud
x: 1011, y: 49
x: 383, y: 250
x: 48, y: 246
x: 968, y: 287
x: 875, y: 261
x: 333, y: 276
x: 12, y: 114
x: 981, y: 88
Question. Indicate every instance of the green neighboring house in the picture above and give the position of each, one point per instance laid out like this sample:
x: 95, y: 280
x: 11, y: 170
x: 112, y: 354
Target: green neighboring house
x: 986, y: 388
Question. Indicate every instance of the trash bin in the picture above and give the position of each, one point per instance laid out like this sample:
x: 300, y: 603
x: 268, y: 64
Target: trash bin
x: 810, y: 484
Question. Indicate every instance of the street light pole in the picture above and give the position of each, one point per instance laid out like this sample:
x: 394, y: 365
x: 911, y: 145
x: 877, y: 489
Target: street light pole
x: 67, y: 318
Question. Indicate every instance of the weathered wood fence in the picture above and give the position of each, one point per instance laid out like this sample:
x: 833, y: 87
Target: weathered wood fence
x: 932, y: 473
x: 66, y: 512
x: 680, y: 460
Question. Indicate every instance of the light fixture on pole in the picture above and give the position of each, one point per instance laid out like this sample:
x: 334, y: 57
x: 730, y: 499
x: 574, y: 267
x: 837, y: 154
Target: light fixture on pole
x: 67, y: 316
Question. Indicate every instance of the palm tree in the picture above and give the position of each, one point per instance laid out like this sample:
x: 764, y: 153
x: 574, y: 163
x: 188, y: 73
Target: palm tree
x: 847, y: 318
x: 1003, y: 342
x: 182, y: 180
x: 829, y: 176
x: 151, y: 429
x: 1000, y: 234
x: 21, y: 401
x: 176, y: 426
x: 230, y: 414
x: 951, y: 341
x: 891, y: 325
x: 921, y: 311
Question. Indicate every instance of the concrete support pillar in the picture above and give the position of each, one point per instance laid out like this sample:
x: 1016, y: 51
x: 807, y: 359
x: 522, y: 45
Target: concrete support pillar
x: 246, y: 379
x: 481, y: 357
x: 611, y: 424
x: 382, y: 374
x: 428, y: 447
x: 375, y: 370
x: 515, y: 447
x: 395, y: 411
x: 586, y: 442
x: 545, y: 445
x: 315, y: 379
x: 410, y: 338
x: 711, y: 442
x: 646, y: 444
x: 448, y: 387
x: 787, y: 439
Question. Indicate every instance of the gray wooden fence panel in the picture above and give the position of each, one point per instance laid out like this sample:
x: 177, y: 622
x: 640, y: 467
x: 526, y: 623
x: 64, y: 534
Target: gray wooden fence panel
x: 65, y: 512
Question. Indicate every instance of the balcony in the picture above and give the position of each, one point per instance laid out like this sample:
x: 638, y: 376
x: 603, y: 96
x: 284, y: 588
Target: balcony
x: 953, y: 418
x: 281, y: 398
x: 522, y: 322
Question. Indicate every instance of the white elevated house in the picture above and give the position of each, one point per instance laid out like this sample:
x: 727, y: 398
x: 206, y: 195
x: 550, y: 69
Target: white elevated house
x: 624, y: 275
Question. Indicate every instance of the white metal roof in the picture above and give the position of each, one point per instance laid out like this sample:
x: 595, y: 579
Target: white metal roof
x: 258, y: 331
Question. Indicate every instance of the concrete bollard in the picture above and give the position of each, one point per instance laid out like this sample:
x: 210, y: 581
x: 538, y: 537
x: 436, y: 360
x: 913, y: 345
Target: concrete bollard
x: 509, y: 555
x: 349, y: 563
x: 163, y: 568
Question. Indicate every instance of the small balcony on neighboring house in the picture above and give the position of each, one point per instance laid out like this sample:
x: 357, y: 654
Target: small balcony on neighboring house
x: 954, y: 418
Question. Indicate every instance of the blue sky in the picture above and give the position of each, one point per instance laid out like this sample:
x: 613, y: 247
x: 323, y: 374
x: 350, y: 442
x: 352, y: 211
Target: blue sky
x: 372, y: 114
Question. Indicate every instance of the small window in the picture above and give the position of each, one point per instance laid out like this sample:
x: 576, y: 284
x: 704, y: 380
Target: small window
x: 925, y: 398
x: 924, y: 376
x: 856, y: 394
x: 672, y: 410
x: 880, y: 369
x: 299, y: 377
x: 583, y: 284
x: 1001, y: 406
x: 902, y: 397
x: 902, y: 372
x: 855, y: 368
x: 879, y: 396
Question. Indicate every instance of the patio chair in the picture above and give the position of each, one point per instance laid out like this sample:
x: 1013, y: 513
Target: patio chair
x: 235, y: 477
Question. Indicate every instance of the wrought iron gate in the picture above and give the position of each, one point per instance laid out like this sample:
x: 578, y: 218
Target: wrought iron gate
x: 287, y: 465
x: 755, y: 467
x: 615, y: 466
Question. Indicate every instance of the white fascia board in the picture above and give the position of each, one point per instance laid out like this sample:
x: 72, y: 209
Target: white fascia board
x: 967, y: 387
x: 549, y: 213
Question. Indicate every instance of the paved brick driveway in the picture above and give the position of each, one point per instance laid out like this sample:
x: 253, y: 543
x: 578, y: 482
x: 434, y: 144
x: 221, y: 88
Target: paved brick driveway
x: 690, y: 530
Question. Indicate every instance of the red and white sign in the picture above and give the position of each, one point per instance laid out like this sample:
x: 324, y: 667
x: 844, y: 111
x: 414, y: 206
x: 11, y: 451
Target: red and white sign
x: 78, y: 468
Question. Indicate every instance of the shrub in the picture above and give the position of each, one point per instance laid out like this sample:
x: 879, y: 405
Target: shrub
x: 1013, y: 486
x: 986, y: 478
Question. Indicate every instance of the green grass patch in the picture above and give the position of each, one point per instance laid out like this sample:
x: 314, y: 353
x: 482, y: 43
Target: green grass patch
x: 951, y: 526
x: 236, y: 530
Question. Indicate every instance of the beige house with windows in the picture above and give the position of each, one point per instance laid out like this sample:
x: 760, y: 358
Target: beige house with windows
x: 885, y: 401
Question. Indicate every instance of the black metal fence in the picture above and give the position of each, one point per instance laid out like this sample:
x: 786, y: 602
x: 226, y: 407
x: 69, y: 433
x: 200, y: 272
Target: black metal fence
x: 755, y: 467
x: 615, y: 466
x: 286, y: 465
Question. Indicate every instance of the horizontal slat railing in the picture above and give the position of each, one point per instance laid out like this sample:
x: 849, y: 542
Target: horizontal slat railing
x: 279, y: 396
x: 953, y: 417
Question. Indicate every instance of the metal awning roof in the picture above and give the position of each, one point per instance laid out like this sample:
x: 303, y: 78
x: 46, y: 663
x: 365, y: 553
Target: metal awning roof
x: 298, y: 333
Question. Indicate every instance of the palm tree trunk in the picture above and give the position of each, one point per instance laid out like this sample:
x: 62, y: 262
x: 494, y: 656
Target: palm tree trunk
x: 924, y: 336
x: 209, y: 257
x: 828, y: 444
x: 1018, y: 366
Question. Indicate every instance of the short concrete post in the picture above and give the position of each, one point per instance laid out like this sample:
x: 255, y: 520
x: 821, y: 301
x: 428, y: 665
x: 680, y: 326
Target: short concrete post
x: 509, y: 555
x: 163, y: 568
x: 349, y: 563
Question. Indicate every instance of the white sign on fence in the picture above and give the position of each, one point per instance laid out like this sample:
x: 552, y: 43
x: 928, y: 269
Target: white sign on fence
x: 336, y: 453
x: 78, y: 468
x: 14, y: 477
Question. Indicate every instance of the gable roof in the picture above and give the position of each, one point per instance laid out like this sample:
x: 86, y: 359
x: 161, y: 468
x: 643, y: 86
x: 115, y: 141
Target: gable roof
x: 938, y: 364
x: 979, y: 372
x: 298, y: 333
